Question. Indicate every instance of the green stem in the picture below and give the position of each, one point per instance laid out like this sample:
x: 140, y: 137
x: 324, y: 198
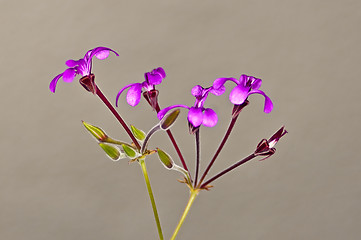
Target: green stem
x: 150, y: 192
x: 192, y: 197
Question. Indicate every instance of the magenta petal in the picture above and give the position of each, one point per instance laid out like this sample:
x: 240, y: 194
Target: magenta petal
x: 53, y: 82
x: 161, y: 72
x: 219, y: 82
x: 210, y: 118
x: 69, y: 74
x: 72, y: 63
x: 164, y: 111
x: 102, y: 54
x: 153, y: 79
x: 243, y: 80
x: 99, y: 50
x: 122, y: 90
x: 268, y: 105
x: 218, y: 91
x: 195, y: 116
x: 197, y: 91
x: 134, y: 94
x: 256, y: 83
x: 238, y: 94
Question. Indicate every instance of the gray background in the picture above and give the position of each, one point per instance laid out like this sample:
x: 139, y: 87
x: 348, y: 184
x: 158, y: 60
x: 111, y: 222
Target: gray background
x: 56, y: 183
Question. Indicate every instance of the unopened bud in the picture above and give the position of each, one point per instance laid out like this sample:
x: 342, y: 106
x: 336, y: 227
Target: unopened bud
x: 129, y: 151
x: 138, y: 134
x: 169, y: 119
x: 97, y: 132
x: 165, y: 159
x: 112, y: 152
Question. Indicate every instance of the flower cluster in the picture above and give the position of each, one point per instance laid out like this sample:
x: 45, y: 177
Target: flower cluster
x: 197, y: 115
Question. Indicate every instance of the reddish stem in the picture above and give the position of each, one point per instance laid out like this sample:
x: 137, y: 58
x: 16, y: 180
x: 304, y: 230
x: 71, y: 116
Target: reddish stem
x: 116, y: 114
x: 221, y: 145
x: 237, y: 164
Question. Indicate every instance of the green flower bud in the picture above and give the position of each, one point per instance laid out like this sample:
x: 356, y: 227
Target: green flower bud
x: 129, y: 151
x: 98, y: 133
x: 112, y: 152
x: 138, y: 134
x: 165, y: 159
x: 168, y: 120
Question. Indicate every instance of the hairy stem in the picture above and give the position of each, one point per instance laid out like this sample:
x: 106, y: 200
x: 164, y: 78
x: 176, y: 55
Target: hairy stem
x: 197, y: 157
x: 221, y: 145
x: 117, y: 116
x: 150, y: 192
x: 170, y: 135
x: 237, y: 164
x: 192, y: 197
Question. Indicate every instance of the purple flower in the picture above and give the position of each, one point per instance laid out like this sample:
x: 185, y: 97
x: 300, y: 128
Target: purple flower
x: 246, y: 86
x: 152, y: 78
x: 198, y: 115
x: 82, y: 66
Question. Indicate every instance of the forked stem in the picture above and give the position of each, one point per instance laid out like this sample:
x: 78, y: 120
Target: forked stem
x: 150, y: 192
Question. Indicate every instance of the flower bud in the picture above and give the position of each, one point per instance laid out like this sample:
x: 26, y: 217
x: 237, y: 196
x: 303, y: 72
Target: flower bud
x: 138, y: 134
x: 165, y: 159
x: 112, y: 152
x: 129, y: 151
x: 266, y: 147
x: 168, y: 120
x: 98, y: 133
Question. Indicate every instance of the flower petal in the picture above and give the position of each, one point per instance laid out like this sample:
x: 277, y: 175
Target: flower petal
x: 72, y: 63
x: 218, y: 91
x: 268, y: 105
x: 243, y: 80
x: 153, y: 78
x: 195, y: 116
x: 122, y: 90
x: 164, y: 111
x: 219, y: 82
x: 53, y: 82
x: 238, y: 94
x: 134, y: 94
x: 256, y: 83
x: 69, y: 74
x: 210, y: 118
x: 197, y: 91
x: 99, y: 52
x: 102, y: 54
x: 161, y: 72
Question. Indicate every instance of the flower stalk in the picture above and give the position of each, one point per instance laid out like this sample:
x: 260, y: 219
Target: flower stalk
x: 198, y: 152
x: 235, y: 113
x: 192, y: 197
x: 117, y: 116
x: 237, y: 164
x: 151, y: 196
x: 175, y: 145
